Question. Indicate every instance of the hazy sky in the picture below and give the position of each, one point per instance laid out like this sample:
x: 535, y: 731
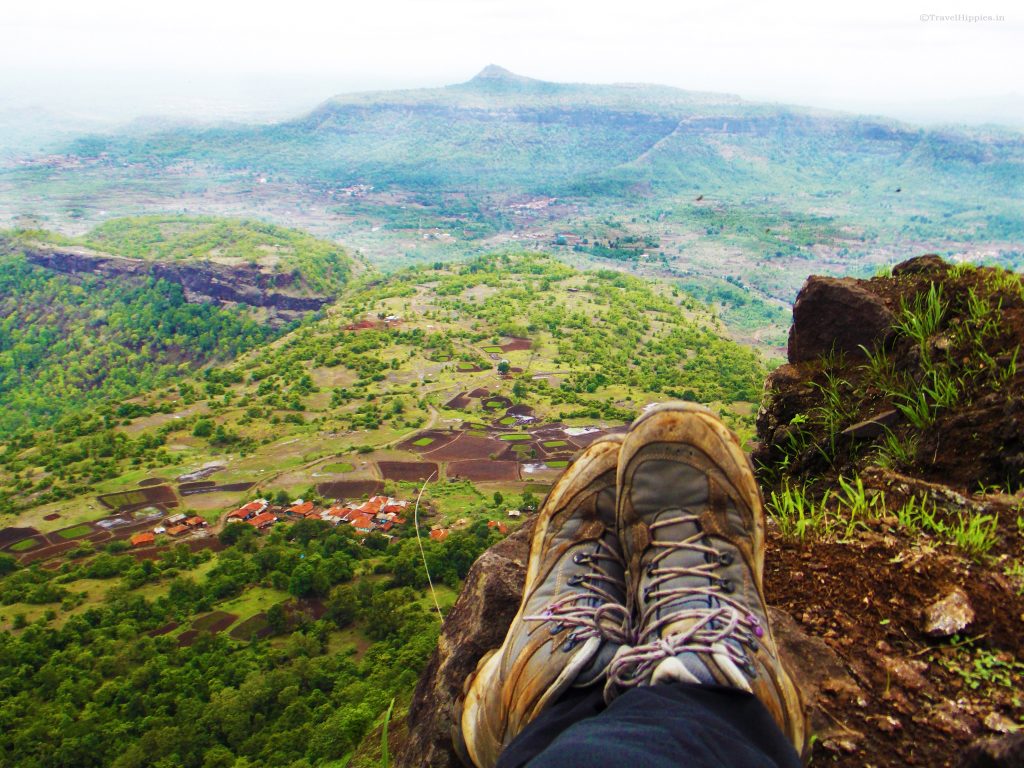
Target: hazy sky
x: 218, y: 57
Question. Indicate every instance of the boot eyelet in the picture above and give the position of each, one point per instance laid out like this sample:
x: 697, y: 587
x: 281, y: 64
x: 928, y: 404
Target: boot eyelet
x: 647, y: 593
x: 556, y: 628
x: 575, y: 581
x: 726, y: 559
x: 651, y: 569
x: 568, y: 645
x: 580, y: 558
x: 726, y: 586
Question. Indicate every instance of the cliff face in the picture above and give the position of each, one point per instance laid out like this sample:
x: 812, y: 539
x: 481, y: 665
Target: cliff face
x: 202, y: 281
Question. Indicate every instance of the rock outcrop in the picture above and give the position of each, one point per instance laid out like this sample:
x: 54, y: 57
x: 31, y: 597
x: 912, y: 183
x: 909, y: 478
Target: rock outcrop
x: 202, y: 281
x: 836, y: 316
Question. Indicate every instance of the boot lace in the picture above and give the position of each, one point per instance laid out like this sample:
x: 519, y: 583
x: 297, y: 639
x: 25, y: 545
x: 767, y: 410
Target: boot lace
x: 594, y: 610
x: 714, y: 622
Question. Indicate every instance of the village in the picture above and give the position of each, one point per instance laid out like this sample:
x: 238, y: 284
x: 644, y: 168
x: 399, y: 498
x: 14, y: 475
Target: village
x: 378, y: 514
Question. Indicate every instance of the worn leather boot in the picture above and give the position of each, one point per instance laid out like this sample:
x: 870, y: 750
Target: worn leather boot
x: 572, y: 619
x: 692, y: 531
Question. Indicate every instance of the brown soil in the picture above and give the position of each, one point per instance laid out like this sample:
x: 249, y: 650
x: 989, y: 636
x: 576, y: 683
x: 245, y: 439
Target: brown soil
x: 464, y: 447
x: 46, y: 552
x: 11, y: 535
x: 409, y: 471
x: 217, y: 621
x: 484, y: 470
x: 211, y: 488
x: 865, y: 600
x: 459, y: 402
x: 349, y: 489
x: 515, y: 345
x: 186, y: 638
x: 196, y: 485
x: 52, y: 516
x: 163, y: 630
x: 252, y: 628
x: 520, y: 410
x: 439, y: 437
x: 478, y: 393
x: 153, y: 495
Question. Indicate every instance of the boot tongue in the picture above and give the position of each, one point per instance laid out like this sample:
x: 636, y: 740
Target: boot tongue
x: 684, y: 667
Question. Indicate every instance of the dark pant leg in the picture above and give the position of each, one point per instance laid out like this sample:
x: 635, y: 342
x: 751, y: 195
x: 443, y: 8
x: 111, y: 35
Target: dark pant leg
x: 661, y: 726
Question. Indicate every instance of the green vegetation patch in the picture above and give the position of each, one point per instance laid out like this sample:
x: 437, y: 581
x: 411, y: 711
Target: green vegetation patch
x: 559, y: 464
x: 339, y: 466
x: 508, y: 420
x: 554, y: 443
x: 423, y: 441
x: 24, y: 545
x: 515, y: 438
x: 76, y: 532
x: 493, y: 350
x: 464, y: 366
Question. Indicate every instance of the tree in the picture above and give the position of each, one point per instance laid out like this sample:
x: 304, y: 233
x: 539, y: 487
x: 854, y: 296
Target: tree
x: 203, y: 428
x: 504, y: 366
x: 498, y: 498
x: 277, y: 619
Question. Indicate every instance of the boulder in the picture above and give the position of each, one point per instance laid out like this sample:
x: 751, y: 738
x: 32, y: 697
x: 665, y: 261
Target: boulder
x: 836, y: 315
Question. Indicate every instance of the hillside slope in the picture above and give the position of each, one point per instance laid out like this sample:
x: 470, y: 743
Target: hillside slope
x: 168, y: 295
x: 156, y: 632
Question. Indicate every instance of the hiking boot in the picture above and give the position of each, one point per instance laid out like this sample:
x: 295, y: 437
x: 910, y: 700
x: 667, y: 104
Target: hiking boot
x: 572, y: 619
x: 692, y: 531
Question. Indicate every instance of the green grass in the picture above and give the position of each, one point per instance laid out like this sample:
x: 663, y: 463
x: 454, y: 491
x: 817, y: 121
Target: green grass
x: 74, y: 533
x: 423, y: 441
x: 24, y: 545
x: 508, y: 420
x: 493, y: 350
x: 558, y: 464
x: 554, y: 443
x: 796, y: 514
x: 513, y: 438
x: 465, y: 366
x: 494, y: 403
x: 342, y: 466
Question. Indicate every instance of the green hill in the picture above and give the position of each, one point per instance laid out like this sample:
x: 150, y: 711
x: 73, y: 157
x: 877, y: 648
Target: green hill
x: 89, y: 335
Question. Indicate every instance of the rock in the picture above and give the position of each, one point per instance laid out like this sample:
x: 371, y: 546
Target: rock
x: 871, y: 428
x: 203, y: 282
x: 930, y: 262
x: 948, y: 615
x: 950, y: 718
x: 836, y: 315
x: 1000, y: 723
x: 819, y: 675
x: 994, y: 752
x: 908, y: 673
x: 476, y: 623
